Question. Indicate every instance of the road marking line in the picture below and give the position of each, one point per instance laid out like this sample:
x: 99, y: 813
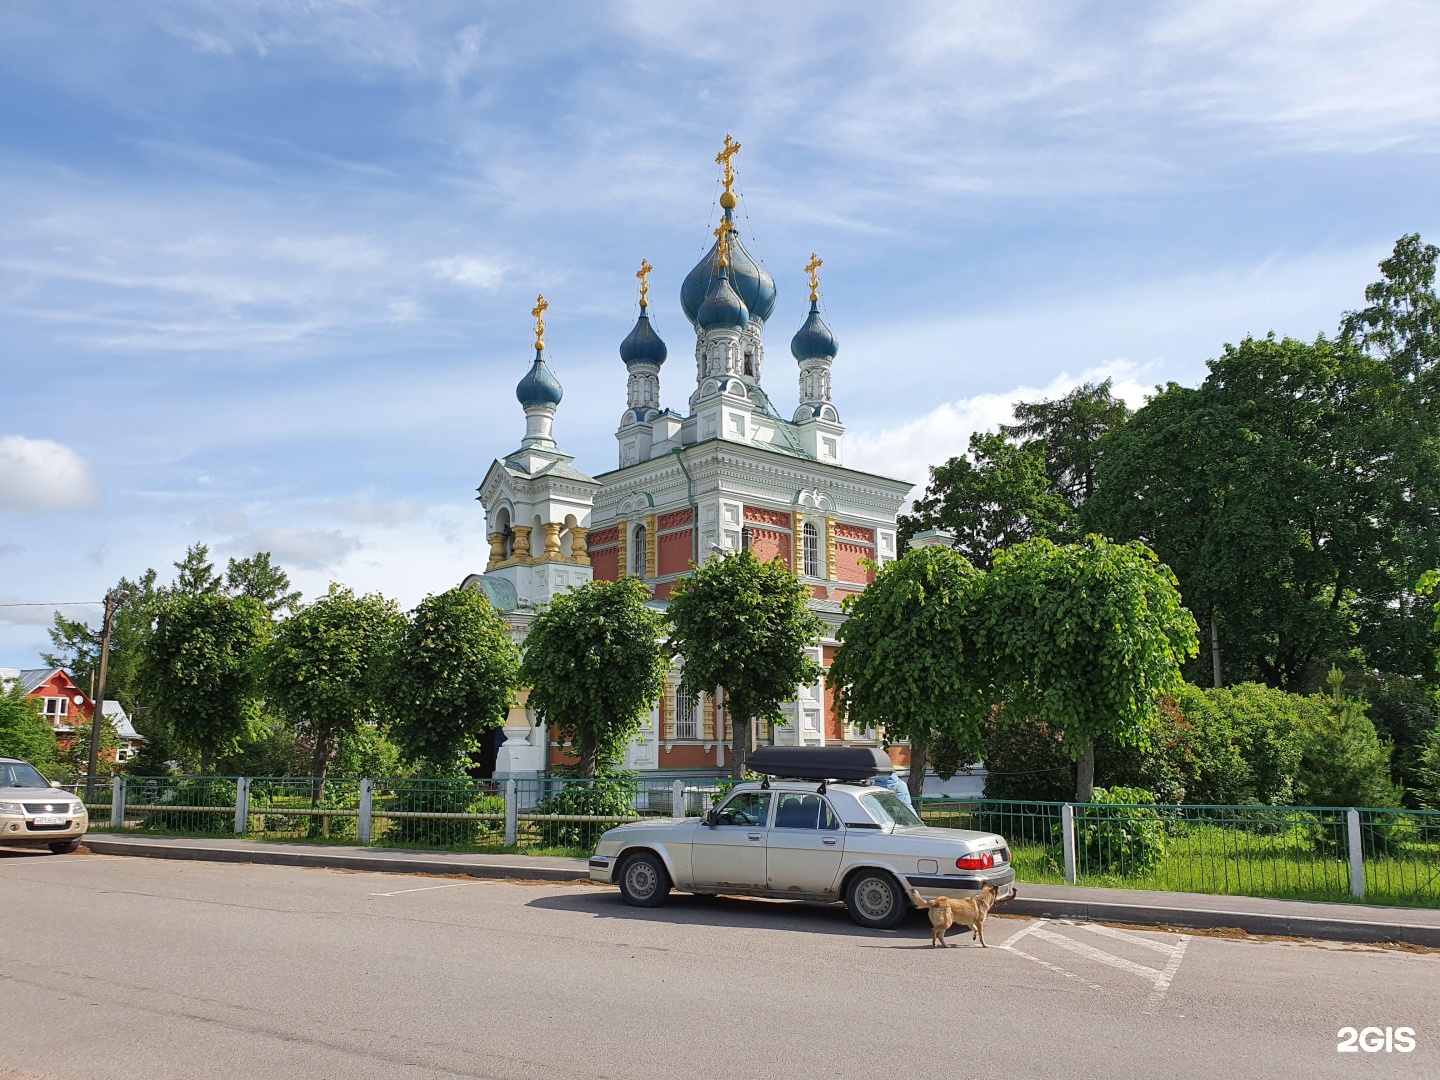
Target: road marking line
x: 1134, y: 939
x: 426, y: 888
x: 1052, y: 967
x: 1027, y: 928
x: 1162, y: 984
x: 1092, y: 953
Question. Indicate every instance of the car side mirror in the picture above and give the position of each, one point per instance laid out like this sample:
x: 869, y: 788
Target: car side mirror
x: 710, y: 818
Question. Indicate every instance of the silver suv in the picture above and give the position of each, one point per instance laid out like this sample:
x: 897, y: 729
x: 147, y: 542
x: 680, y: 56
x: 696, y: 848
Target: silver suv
x: 34, y: 814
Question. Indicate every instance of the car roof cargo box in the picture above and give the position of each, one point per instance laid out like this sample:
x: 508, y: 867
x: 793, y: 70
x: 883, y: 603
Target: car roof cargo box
x: 820, y: 762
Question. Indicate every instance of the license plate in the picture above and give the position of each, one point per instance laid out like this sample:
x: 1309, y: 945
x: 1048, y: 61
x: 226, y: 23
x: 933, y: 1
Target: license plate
x: 50, y: 819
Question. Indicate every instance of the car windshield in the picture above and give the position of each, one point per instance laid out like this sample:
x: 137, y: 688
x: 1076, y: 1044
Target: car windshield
x: 886, y: 808
x: 21, y: 775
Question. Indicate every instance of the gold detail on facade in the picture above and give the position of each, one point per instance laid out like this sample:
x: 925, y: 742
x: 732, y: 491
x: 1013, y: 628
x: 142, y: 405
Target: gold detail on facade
x: 622, y: 553
x: 497, y: 550
x: 578, y: 551
x: 813, y: 269
x: 722, y: 244
x: 521, y: 551
x: 652, y: 546
x: 644, y: 275
x: 538, y: 311
x: 797, y: 542
x: 552, y: 541
x: 830, y: 573
x: 707, y: 718
x: 725, y: 158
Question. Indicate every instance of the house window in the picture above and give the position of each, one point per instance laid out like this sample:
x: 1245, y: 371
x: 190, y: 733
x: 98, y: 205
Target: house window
x: 637, y: 553
x: 57, y: 708
x: 812, y: 550
x: 687, y: 717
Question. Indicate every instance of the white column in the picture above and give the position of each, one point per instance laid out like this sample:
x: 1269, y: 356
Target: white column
x: 677, y: 800
x: 367, y: 806
x: 242, y: 805
x: 1357, y: 855
x: 1067, y: 833
x: 117, y: 802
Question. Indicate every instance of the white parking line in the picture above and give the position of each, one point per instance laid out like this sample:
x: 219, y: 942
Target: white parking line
x: 1029, y: 928
x: 1160, y: 980
x: 1100, y: 957
x: 1120, y: 935
x: 1162, y: 984
x: 425, y: 888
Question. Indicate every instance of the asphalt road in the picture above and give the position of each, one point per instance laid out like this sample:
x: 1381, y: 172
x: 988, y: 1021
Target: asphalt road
x: 126, y: 968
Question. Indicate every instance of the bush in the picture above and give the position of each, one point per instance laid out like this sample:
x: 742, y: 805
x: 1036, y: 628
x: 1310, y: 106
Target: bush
x: 1025, y: 760
x: 210, y: 791
x: 461, y: 796
x: 609, y: 796
x: 1243, y: 742
x: 24, y: 731
x: 1127, y: 839
x: 1343, y: 761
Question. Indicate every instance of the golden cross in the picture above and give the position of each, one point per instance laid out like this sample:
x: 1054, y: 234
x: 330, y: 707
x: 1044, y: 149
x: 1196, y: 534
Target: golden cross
x: 539, y: 312
x: 812, y: 268
x: 724, y: 158
x: 644, y: 275
x: 722, y: 243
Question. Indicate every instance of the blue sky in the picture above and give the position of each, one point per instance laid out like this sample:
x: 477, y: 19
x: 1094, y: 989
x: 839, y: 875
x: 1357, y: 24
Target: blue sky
x: 266, y: 266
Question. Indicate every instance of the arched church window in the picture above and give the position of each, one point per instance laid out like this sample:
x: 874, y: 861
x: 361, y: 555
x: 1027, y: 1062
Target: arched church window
x: 812, y: 550
x: 637, y: 553
x: 750, y: 364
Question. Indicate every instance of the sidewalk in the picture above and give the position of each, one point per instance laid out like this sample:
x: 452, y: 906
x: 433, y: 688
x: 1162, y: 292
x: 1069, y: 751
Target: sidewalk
x: 1197, y: 911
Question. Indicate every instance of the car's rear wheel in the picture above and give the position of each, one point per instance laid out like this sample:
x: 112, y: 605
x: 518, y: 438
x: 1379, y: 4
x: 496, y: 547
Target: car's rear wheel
x: 65, y: 847
x: 644, y: 881
x: 875, y: 899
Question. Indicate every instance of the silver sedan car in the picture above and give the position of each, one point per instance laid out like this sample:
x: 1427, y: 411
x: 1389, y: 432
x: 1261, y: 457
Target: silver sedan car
x: 794, y: 839
x: 34, y: 814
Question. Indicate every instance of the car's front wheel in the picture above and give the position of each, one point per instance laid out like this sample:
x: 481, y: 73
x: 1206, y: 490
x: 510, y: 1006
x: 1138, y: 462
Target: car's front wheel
x: 644, y: 881
x: 875, y: 900
x: 65, y: 847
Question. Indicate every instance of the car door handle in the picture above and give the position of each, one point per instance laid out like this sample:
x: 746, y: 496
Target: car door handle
x: 828, y: 843
x: 755, y: 836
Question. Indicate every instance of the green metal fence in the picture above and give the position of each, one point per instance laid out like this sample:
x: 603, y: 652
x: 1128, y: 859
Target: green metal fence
x: 1385, y: 856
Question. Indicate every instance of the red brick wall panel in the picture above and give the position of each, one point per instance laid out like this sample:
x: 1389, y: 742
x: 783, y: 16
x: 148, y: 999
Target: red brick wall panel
x: 779, y: 519
x: 769, y: 544
x: 847, y: 561
x: 600, y: 537
x: 673, y: 520
x: 854, y: 532
x: 605, y: 565
x: 674, y: 554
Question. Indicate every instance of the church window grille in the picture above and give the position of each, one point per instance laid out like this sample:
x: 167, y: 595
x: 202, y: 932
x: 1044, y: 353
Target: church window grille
x: 687, y: 717
x: 637, y: 553
x: 812, y: 550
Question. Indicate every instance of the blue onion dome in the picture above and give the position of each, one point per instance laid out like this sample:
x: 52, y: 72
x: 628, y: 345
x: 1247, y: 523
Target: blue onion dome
x: 722, y: 306
x: 539, y: 386
x: 750, y: 280
x: 814, y: 340
x: 643, y: 345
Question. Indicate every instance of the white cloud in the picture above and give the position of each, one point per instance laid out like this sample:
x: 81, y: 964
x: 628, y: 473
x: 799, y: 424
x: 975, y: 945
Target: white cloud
x: 473, y: 271
x: 907, y: 450
x: 366, y: 510
x: 309, y: 549
x: 39, y: 476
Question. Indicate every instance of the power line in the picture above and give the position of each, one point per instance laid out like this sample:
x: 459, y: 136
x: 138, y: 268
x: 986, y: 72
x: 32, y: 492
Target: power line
x: 58, y: 603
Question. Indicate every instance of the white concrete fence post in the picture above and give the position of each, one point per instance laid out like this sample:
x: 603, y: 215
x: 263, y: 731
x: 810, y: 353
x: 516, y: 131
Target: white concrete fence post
x: 1357, y: 854
x: 367, y: 795
x: 242, y: 805
x: 1067, y: 834
x: 677, y: 800
x: 512, y: 811
x: 117, y: 802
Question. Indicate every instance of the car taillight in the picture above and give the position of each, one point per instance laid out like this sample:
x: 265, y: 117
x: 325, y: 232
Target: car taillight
x: 981, y: 860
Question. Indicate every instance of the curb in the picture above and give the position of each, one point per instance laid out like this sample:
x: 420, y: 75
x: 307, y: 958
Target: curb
x: 398, y: 863
x: 1251, y: 922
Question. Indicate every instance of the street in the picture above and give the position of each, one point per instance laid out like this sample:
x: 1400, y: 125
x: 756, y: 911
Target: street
x: 121, y: 967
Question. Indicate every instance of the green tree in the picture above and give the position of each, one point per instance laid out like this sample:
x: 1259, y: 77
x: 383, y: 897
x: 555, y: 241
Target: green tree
x: 76, y: 644
x: 199, y: 669
x: 73, y: 758
x: 909, y: 660
x: 451, y: 677
x: 196, y: 573
x: 24, y: 731
x: 320, y: 667
x: 746, y: 627
x: 1070, y: 429
x: 595, y: 666
x: 1272, y: 491
x: 1427, y: 786
x: 1401, y: 322
x: 260, y: 578
x: 998, y: 495
x: 1343, y: 762
x: 1085, y: 637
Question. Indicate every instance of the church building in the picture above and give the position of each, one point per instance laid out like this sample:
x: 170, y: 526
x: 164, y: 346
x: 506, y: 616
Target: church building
x: 725, y: 471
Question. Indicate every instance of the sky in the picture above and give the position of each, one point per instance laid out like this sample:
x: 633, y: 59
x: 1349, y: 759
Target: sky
x: 267, y: 265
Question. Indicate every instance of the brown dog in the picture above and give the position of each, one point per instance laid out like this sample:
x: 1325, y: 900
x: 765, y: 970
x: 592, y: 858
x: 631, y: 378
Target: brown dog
x: 946, y: 911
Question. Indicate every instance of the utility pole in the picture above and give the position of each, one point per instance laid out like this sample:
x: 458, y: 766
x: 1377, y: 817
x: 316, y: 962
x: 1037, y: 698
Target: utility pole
x: 97, y: 718
x: 1215, y: 650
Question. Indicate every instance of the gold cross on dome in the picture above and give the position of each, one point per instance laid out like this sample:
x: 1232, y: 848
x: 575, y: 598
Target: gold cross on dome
x: 541, y: 304
x: 722, y: 243
x: 644, y: 275
x: 725, y: 158
x: 813, y: 269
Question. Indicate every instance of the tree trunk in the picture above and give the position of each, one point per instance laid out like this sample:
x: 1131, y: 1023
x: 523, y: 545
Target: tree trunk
x: 1215, y: 650
x: 587, y: 755
x: 741, y: 732
x: 919, y: 752
x: 319, y: 766
x: 1085, y: 774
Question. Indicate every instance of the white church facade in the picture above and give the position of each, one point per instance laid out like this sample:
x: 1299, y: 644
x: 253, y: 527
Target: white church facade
x: 727, y: 471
